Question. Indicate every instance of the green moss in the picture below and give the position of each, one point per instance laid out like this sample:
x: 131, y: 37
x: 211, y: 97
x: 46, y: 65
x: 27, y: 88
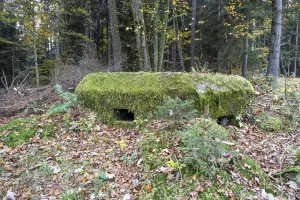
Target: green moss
x: 124, y: 124
x: 270, y: 122
x: 142, y: 92
x: 19, y: 131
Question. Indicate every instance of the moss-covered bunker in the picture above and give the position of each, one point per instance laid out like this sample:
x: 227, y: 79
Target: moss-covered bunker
x: 140, y: 92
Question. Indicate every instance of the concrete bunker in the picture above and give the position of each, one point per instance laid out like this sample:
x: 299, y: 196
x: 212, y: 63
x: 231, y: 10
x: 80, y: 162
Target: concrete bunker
x: 125, y: 96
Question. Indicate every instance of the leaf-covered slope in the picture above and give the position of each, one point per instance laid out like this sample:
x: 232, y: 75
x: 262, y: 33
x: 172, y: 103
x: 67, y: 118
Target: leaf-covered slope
x: 142, y: 92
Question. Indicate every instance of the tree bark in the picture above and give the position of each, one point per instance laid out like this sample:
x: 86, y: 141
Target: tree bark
x: 289, y: 57
x: 140, y: 30
x: 115, y: 36
x: 296, y: 44
x: 155, y: 36
x: 162, y: 39
x: 37, y: 74
x: 137, y: 34
x: 178, y: 44
x: 219, y: 34
x: 274, y: 54
x: 245, y: 49
x: 193, y: 34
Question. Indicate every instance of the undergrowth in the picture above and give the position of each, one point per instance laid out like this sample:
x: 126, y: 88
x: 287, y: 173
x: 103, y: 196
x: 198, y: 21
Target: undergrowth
x: 195, y: 161
x: 202, y: 146
x: 68, y: 100
x: 282, y: 111
x: 18, y: 131
x: 176, y: 111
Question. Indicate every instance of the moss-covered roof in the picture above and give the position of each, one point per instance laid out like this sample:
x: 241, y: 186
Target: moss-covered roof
x: 141, y: 92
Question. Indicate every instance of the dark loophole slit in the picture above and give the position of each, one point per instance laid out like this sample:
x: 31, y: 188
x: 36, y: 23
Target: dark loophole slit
x: 123, y: 115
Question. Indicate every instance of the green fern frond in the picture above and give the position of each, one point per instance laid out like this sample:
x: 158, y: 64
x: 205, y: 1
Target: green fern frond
x: 69, y: 99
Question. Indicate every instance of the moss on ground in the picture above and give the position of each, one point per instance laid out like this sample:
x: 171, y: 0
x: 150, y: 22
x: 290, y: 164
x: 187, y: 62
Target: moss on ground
x: 270, y: 122
x: 142, y: 92
x: 19, y: 131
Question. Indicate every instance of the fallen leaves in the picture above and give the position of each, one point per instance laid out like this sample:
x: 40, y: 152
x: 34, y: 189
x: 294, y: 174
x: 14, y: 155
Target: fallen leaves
x: 148, y: 188
x: 72, y: 159
x: 121, y: 144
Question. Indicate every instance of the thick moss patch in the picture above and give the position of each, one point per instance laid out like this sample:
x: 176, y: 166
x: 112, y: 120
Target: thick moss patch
x: 141, y: 92
x: 19, y: 131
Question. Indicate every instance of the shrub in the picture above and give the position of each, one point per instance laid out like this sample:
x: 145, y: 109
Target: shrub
x: 68, y: 100
x: 176, y: 111
x: 202, y: 146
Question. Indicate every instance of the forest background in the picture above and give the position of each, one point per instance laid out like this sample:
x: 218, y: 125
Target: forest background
x: 50, y: 41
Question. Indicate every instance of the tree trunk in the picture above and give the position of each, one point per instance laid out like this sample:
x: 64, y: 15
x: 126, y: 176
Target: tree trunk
x: 296, y: 44
x: 115, y: 36
x: 174, y: 56
x: 245, y: 49
x: 289, y: 57
x: 37, y: 74
x: 162, y: 39
x: 141, y: 34
x: 178, y: 44
x: 137, y: 33
x: 274, y: 54
x: 245, y: 57
x: 219, y: 35
x: 193, y: 34
x: 155, y: 36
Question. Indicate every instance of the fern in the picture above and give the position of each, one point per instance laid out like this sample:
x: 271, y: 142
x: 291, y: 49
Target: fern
x: 68, y: 101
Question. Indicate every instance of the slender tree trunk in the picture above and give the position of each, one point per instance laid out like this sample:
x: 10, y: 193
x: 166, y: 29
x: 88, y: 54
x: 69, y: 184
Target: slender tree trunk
x: 245, y: 57
x: 254, y: 38
x: 57, y: 47
x: 115, y: 36
x: 274, y: 54
x: 289, y: 57
x: 137, y: 33
x: 162, y: 39
x: 296, y: 44
x: 253, y: 46
x: 140, y: 30
x: 193, y: 34
x: 37, y: 74
x: 219, y: 34
x: 156, y: 19
x: 245, y: 49
x: 147, y: 63
x: 173, y: 56
x: 178, y: 44
x: 110, y: 61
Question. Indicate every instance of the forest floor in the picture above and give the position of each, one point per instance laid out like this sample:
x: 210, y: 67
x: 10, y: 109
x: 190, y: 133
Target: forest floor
x: 73, y: 156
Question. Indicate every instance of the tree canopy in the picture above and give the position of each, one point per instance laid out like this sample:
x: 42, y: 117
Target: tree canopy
x: 227, y: 36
